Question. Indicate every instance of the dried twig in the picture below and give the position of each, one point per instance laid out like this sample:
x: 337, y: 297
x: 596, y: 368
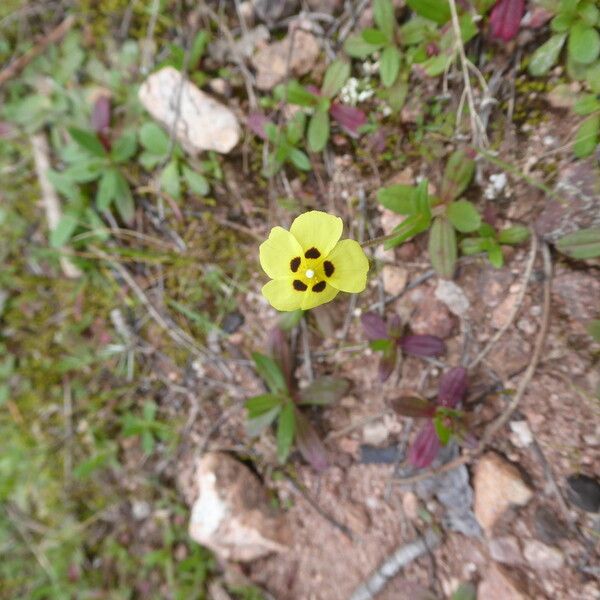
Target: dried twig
x: 20, y: 63
x: 41, y: 158
x: 392, y: 565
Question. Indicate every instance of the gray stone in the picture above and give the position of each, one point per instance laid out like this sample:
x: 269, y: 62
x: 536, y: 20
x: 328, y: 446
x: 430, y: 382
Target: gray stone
x: 542, y: 557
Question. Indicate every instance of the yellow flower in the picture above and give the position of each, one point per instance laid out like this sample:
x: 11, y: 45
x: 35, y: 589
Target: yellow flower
x: 308, y: 265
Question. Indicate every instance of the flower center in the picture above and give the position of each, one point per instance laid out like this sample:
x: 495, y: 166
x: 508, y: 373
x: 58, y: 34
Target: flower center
x: 309, y: 273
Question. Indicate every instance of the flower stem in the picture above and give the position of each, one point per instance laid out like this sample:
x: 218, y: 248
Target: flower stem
x: 379, y: 240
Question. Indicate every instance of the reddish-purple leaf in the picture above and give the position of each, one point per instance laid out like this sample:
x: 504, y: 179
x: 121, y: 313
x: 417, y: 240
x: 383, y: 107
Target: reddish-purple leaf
x: 374, y: 326
x: 279, y: 348
x: 349, y: 118
x: 505, y: 19
x: 309, y: 443
x: 422, y: 345
x: 377, y: 140
x: 425, y: 447
x: 313, y: 89
x: 256, y: 123
x: 452, y: 387
x: 410, y: 404
x: 101, y: 114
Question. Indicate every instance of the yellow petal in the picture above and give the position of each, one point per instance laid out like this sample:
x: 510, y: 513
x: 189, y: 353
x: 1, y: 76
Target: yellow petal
x: 277, y: 252
x: 312, y: 299
x: 317, y: 229
x: 350, y: 267
x: 281, y: 295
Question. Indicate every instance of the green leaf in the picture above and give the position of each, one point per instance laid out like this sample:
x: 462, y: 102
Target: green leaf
x: 464, y: 216
x: 254, y: 427
x: 259, y: 405
x: 125, y: 147
x: 63, y: 231
x: 436, y: 65
x: 586, y: 138
x: 88, y: 141
x: 357, y: 47
x: 434, y: 10
x: 396, y: 95
x: 584, y: 43
x: 196, y: 182
x: 514, y: 235
x: 289, y: 320
x: 270, y: 373
x: 299, y: 159
x: 470, y: 246
x: 389, y: 65
x: 561, y: 22
x: 335, y: 77
x: 441, y: 430
x: 581, y: 244
x: 285, y: 431
x: 382, y: 345
x: 465, y: 591
x: 299, y: 95
x: 323, y: 391
x: 295, y: 128
x: 589, y: 12
x: 458, y: 174
x: 398, y: 198
x: 587, y: 104
x: 318, y: 131
x: 494, y: 253
x: 592, y: 76
x: 546, y: 55
x: 410, y: 227
x: 593, y: 328
x: 442, y: 247
x: 124, y: 199
x: 107, y: 189
x: 375, y: 37
x: 198, y: 46
x: 154, y: 139
x: 169, y: 180
x: 383, y: 13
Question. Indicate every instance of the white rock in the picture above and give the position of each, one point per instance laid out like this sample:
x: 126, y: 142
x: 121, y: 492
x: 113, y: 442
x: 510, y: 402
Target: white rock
x: 542, y: 557
x: 203, y: 123
x: 375, y: 433
x: 452, y: 296
x: 522, y: 436
x: 231, y: 514
x: 498, y: 485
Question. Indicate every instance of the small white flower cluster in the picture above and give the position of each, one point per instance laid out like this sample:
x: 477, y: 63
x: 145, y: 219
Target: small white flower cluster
x: 355, y: 91
x: 496, y: 186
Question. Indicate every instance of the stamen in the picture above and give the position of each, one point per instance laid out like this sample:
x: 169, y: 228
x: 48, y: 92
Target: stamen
x: 309, y: 273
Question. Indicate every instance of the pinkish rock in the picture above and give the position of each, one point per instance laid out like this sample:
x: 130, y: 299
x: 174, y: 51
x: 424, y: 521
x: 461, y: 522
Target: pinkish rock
x: 542, y: 557
x: 271, y: 61
x: 431, y: 316
x: 577, y: 294
x: 510, y: 355
x: 578, y: 204
x: 506, y: 550
x: 498, y: 485
x: 232, y: 514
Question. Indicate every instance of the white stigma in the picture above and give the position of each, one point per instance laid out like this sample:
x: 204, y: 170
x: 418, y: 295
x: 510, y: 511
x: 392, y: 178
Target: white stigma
x: 310, y: 273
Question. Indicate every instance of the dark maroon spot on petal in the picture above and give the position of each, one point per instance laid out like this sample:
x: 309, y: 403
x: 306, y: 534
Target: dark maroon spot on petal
x: 312, y: 253
x: 319, y: 287
x: 299, y: 285
x: 329, y: 268
x: 295, y: 264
